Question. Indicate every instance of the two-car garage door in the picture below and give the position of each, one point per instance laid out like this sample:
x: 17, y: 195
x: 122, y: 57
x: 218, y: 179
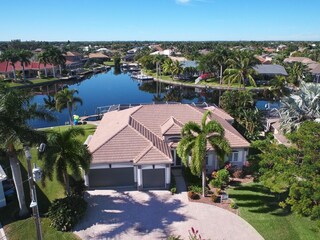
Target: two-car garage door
x: 111, y: 177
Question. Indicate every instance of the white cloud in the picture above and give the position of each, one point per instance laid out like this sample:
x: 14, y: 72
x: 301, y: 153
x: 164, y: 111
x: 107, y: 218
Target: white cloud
x: 183, y: 1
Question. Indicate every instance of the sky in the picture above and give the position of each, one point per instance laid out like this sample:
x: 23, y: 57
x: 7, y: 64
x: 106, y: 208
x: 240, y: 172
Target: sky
x: 160, y: 20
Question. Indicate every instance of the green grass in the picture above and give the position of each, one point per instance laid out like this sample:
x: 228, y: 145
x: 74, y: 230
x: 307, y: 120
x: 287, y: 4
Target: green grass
x: 25, y: 229
x: 45, y: 194
x: 34, y: 81
x: 109, y: 63
x: 260, y: 208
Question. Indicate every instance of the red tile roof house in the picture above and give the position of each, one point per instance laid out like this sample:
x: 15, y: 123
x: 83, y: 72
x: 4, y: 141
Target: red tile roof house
x: 137, y: 146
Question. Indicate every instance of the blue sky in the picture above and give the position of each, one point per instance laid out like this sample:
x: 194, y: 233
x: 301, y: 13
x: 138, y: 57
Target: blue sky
x: 187, y: 20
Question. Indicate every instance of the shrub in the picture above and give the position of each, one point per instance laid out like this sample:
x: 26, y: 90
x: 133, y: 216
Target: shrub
x: 198, y: 189
x: 174, y: 237
x: 173, y: 190
x: 214, y: 198
x: 220, y: 178
x: 193, y: 195
x: 64, y: 213
x: 233, y: 205
x: 237, y: 173
x: 218, y: 191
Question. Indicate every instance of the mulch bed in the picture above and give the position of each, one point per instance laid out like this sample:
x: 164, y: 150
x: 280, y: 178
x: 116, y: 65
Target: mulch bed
x: 225, y: 204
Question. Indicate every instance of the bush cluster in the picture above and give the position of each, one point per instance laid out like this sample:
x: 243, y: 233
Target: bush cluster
x: 193, y: 195
x: 65, y: 213
x: 220, y: 178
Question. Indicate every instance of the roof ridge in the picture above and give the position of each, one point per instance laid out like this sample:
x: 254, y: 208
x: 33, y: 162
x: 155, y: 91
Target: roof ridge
x: 148, y: 134
x: 142, y: 153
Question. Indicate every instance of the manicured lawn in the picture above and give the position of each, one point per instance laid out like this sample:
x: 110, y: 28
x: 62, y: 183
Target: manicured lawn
x: 45, y: 193
x: 109, y: 63
x: 260, y: 208
x: 34, y: 81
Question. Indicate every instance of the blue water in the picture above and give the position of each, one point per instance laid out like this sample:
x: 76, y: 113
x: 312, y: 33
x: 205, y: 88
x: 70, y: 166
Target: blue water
x: 107, y: 89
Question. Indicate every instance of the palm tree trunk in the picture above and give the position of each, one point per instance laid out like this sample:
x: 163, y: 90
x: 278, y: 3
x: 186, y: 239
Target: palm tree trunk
x: 66, y: 182
x: 54, y: 71
x: 70, y: 116
x: 14, y: 73
x: 60, y: 70
x: 45, y: 71
x: 204, y: 177
x: 16, y: 175
x: 220, y: 74
x: 24, y: 73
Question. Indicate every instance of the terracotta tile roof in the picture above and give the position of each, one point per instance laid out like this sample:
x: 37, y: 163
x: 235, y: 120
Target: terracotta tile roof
x: 171, y: 127
x: 6, y: 67
x: 136, y: 134
x: 97, y: 55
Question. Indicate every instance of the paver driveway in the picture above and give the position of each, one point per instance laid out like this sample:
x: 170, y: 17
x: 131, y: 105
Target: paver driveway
x: 155, y: 215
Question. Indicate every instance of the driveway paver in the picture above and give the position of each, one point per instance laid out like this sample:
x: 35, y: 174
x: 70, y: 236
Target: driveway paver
x: 155, y: 215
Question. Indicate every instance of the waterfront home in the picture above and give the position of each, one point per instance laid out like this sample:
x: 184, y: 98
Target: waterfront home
x: 266, y: 72
x: 100, y: 57
x: 137, y: 146
x: 313, y: 66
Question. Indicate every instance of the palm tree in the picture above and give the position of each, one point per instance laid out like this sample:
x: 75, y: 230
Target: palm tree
x: 220, y: 58
x: 24, y: 58
x: 300, y: 106
x: 65, y: 152
x: 66, y: 99
x: 11, y: 56
x: 297, y: 72
x: 239, y: 70
x: 43, y: 58
x: 56, y: 58
x: 278, y: 86
x: 167, y: 66
x: 50, y: 103
x: 195, y: 139
x: 176, y: 68
x: 15, y: 111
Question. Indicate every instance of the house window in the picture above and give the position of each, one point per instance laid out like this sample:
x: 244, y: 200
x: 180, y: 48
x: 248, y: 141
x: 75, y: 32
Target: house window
x: 207, y: 160
x: 234, y: 156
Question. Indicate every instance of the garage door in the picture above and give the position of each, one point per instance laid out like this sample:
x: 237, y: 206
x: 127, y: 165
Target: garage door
x: 153, y: 178
x: 111, y: 177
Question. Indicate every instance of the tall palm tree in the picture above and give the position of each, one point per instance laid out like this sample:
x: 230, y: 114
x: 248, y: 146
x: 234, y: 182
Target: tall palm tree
x: 65, y: 151
x: 43, y: 58
x: 24, y: 58
x: 194, y: 142
x: 300, y: 106
x: 297, y: 72
x: 239, y: 70
x: 220, y: 58
x: 15, y: 111
x: 66, y: 99
x: 11, y: 56
x: 56, y: 58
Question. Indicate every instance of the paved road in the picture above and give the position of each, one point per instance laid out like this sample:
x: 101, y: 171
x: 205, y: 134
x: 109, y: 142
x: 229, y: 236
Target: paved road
x: 155, y: 215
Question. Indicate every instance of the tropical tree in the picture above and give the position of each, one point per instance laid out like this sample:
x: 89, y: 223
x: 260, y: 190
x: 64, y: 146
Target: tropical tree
x: 65, y: 152
x: 300, y: 106
x: 11, y: 56
x: 50, y: 103
x: 15, y: 111
x: 24, y: 58
x: 297, y: 72
x: 167, y: 66
x: 195, y: 139
x: 278, y: 86
x: 66, y: 99
x: 56, y: 58
x: 176, y: 68
x: 44, y: 58
x: 240, y: 70
x: 220, y: 58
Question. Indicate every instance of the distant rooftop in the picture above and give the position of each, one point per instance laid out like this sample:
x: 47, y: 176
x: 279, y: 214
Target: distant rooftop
x: 270, y: 69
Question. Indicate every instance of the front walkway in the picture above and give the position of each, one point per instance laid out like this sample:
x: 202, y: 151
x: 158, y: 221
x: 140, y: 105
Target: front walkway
x: 180, y: 183
x: 138, y: 215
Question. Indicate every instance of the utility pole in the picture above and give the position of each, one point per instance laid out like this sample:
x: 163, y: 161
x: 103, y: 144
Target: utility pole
x: 33, y: 195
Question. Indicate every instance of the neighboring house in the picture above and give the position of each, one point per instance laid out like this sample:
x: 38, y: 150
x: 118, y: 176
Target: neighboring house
x: 266, y: 72
x: 73, y: 56
x: 3, y: 177
x: 313, y: 66
x: 137, y: 146
x: 99, y: 57
x: 32, y: 70
x: 264, y: 59
x: 167, y: 52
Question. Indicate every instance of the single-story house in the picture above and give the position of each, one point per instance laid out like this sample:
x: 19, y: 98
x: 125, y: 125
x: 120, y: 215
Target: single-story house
x: 99, y: 56
x: 137, y: 146
x: 3, y: 177
x: 266, y: 72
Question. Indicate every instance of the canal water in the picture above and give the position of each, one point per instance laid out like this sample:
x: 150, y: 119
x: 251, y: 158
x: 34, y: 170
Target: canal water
x: 110, y: 89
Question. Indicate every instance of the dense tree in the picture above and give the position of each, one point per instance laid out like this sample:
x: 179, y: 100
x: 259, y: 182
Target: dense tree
x: 294, y: 171
x: 66, y: 99
x: 56, y: 58
x: 194, y: 142
x: 44, y: 58
x: 65, y: 152
x: 300, y: 106
x: 15, y: 111
x: 297, y: 72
